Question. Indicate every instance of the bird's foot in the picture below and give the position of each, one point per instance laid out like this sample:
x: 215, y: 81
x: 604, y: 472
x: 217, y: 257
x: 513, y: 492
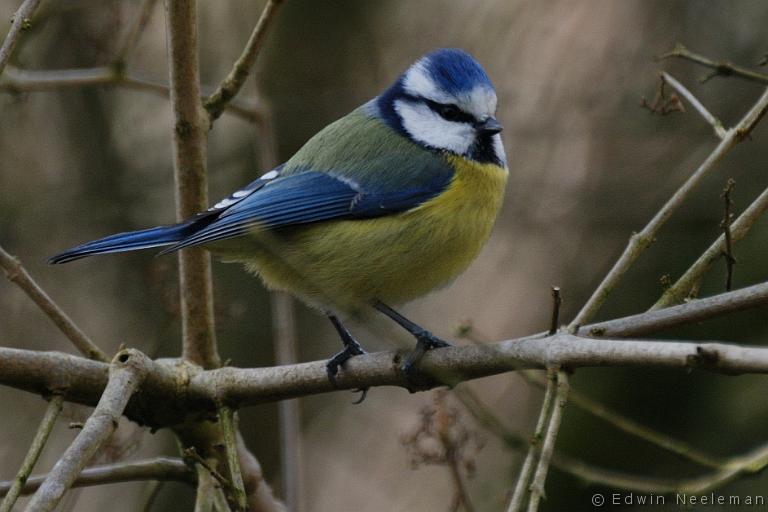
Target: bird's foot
x: 351, y: 349
x: 417, y: 380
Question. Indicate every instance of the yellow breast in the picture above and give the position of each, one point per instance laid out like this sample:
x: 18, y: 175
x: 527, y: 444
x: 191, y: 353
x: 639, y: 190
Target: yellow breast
x: 345, y: 264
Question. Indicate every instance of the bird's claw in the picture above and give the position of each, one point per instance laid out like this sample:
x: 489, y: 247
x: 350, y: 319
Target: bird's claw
x: 351, y: 349
x: 416, y: 378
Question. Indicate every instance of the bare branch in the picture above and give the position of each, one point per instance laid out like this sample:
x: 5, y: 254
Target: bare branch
x: 526, y: 471
x: 725, y: 224
x: 231, y: 85
x: 189, y: 158
x: 260, y: 496
x: 548, y: 447
x: 127, y: 370
x: 19, y: 23
x: 639, y: 241
x: 557, y: 301
x: 17, y: 274
x: 41, y: 437
x: 160, y: 469
x: 721, y: 68
x: 677, y: 292
x: 717, y: 126
x: 228, y: 429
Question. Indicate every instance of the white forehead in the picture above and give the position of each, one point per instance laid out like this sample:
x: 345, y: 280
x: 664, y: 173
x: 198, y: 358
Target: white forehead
x: 479, y: 101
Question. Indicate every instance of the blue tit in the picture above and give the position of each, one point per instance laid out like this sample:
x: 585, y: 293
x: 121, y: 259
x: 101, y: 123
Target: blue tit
x: 382, y: 206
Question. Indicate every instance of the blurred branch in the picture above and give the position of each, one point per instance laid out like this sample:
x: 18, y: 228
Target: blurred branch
x: 43, y: 431
x: 126, y: 372
x: 522, y: 486
x: 638, y: 242
x: 726, y: 471
x: 720, y: 68
x: 260, y: 496
x: 159, y: 469
x: 18, y: 80
x: 135, y: 31
x: 730, y: 259
x: 228, y: 429
x: 717, y: 126
x: 19, y: 23
x: 172, y: 391
x: 676, y: 293
x: 17, y: 274
x: 189, y: 159
x: 231, y: 85
x: 548, y: 447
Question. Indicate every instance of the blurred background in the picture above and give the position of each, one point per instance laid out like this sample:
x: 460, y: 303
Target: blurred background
x: 587, y: 167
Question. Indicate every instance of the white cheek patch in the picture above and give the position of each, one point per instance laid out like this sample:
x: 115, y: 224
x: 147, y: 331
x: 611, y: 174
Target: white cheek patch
x: 427, y: 127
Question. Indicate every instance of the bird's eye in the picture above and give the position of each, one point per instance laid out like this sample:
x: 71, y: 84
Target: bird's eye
x: 450, y: 112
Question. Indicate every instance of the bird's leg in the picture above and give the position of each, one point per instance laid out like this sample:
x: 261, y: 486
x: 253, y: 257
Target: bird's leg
x: 351, y: 348
x: 425, y: 341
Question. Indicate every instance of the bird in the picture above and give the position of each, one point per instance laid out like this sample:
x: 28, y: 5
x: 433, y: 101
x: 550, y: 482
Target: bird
x: 380, y: 207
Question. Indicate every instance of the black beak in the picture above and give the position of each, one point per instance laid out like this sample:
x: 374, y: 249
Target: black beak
x: 489, y: 126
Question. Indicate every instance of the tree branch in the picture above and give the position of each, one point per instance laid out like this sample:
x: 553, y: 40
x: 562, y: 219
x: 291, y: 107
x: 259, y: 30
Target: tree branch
x: 160, y: 468
x: 127, y: 370
x: 638, y: 242
x: 548, y: 447
x: 135, y: 31
x: 19, y: 23
x: 228, y: 429
x: 717, y: 126
x: 18, y: 80
x: 722, y: 68
x: 231, y: 85
x: 189, y: 158
x: 43, y: 431
x: 17, y: 274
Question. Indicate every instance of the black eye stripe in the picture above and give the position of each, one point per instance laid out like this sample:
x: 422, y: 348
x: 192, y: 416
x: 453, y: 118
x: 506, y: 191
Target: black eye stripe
x: 449, y: 112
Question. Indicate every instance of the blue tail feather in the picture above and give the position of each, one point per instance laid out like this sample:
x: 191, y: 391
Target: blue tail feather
x: 130, y: 241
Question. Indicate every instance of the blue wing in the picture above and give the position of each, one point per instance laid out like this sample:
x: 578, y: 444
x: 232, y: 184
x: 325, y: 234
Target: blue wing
x: 308, y: 197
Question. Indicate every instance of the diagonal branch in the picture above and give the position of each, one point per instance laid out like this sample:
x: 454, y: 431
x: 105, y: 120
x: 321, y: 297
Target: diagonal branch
x: 41, y: 437
x: 638, y: 242
x: 717, y: 126
x: 126, y: 372
x: 158, y: 469
x: 17, y: 274
x: 19, y: 23
x: 231, y: 85
x: 145, y: 13
x: 676, y: 293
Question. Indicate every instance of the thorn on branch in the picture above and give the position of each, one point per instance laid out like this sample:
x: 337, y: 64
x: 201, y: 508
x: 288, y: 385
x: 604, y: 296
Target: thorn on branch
x: 725, y: 225
x: 556, y: 302
x: 662, y: 103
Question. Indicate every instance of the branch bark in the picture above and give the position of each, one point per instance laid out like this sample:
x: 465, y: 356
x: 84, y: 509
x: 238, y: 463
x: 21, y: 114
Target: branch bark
x: 159, y: 469
x: 189, y: 158
x: 19, y: 23
x: 127, y: 370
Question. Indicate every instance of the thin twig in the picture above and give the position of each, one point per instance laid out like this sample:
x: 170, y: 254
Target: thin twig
x: 681, y: 289
x: 526, y: 471
x: 17, y: 274
x: 231, y: 85
x: 20, y: 22
x: 17, y: 80
x: 227, y: 421
x: 189, y: 163
x: 548, y: 448
x: 135, y: 31
x: 638, y: 242
x: 126, y: 372
x: 725, y: 225
x: 41, y: 437
x: 717, y: 126
x: 159, y: 469
x: 192, y: 454
x: 556, y: 302
x: 719, y: 68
